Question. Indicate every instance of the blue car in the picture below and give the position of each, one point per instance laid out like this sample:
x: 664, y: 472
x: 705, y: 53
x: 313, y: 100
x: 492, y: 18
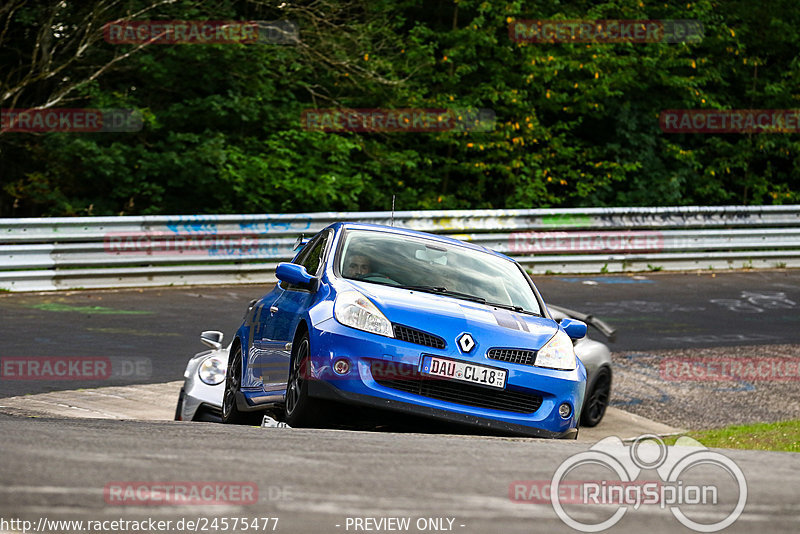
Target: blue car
x: 411, y: 323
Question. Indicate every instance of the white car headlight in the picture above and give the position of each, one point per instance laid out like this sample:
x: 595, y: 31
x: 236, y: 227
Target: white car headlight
x: 355, y: 310
x: 558, y: 353
x: 212, y: 371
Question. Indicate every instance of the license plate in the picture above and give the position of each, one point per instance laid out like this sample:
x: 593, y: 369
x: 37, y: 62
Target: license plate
x: 464, y: 372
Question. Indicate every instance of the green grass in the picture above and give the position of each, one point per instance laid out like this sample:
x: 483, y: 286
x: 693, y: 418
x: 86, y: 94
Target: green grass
x: 783, y: 436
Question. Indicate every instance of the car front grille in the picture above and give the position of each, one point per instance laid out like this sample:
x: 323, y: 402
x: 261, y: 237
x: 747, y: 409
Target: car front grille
x: 406, y: 378
x: 418, y: 337
x: 521, y: 356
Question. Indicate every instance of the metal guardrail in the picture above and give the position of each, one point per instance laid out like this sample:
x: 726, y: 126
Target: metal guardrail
x: 98, y: 252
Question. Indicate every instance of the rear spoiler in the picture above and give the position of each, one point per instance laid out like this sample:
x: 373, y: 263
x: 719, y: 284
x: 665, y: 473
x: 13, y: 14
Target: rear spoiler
x: 603, y: 327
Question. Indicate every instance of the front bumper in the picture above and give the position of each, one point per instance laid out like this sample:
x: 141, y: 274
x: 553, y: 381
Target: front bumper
x: 201, y: 398
x: 325, y: 390
x: 332, y: 341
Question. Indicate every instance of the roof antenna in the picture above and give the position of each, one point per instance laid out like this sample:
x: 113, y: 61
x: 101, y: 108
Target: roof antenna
x: 392, y: 210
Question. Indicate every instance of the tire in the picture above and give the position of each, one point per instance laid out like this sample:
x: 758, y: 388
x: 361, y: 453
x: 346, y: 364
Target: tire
x: 594, y: 408
x: 300, y: 409
x: 179, y: 407
x: 233, y: 377
x: 204, y: 415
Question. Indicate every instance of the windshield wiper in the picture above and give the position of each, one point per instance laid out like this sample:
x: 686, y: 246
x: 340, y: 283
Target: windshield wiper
x: 439, y: 290
x: 512, y: 307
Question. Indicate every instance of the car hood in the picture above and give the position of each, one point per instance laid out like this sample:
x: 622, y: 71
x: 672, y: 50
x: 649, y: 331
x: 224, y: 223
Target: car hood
x: 449, y: 317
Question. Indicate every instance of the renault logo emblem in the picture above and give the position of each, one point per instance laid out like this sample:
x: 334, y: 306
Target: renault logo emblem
x: 466, y: 343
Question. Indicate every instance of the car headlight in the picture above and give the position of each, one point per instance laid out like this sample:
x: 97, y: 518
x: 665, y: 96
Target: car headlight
x: 212, y: 371
x: 558, y: 353
x: 356, y: 311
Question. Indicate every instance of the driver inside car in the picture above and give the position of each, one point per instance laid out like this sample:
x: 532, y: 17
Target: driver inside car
x: 357, y: 266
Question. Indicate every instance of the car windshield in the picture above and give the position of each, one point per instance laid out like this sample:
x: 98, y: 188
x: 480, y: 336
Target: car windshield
x: 436, y: 267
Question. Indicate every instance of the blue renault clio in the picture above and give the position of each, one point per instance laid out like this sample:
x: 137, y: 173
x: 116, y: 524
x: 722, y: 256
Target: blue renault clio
x: 406, y: 322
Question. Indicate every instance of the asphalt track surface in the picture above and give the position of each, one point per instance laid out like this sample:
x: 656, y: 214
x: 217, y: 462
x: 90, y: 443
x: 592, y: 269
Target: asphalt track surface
x: 323, y: 480
x: 314, y: 480
x: 149, y: 334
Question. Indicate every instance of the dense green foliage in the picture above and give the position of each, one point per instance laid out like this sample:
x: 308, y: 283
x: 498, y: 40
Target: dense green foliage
x: 577, y: 124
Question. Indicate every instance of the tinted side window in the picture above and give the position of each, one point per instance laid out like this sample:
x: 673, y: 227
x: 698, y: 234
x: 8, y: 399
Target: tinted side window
x: 312, y: 260
x: 310, y: 257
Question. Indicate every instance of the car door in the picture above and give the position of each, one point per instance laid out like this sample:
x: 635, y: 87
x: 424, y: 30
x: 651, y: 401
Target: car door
x: 284, y: 314
x: 258, y: 315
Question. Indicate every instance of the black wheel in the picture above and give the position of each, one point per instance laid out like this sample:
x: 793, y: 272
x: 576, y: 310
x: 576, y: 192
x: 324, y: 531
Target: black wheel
x: 301, y: 410
x: 597, y: 399
x: 204, y: 415
x: 179, y: 408
x: 233, y: 377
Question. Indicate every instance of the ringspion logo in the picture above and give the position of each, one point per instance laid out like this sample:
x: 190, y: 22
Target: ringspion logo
x: 586, y: 491
x: 704, y: 490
